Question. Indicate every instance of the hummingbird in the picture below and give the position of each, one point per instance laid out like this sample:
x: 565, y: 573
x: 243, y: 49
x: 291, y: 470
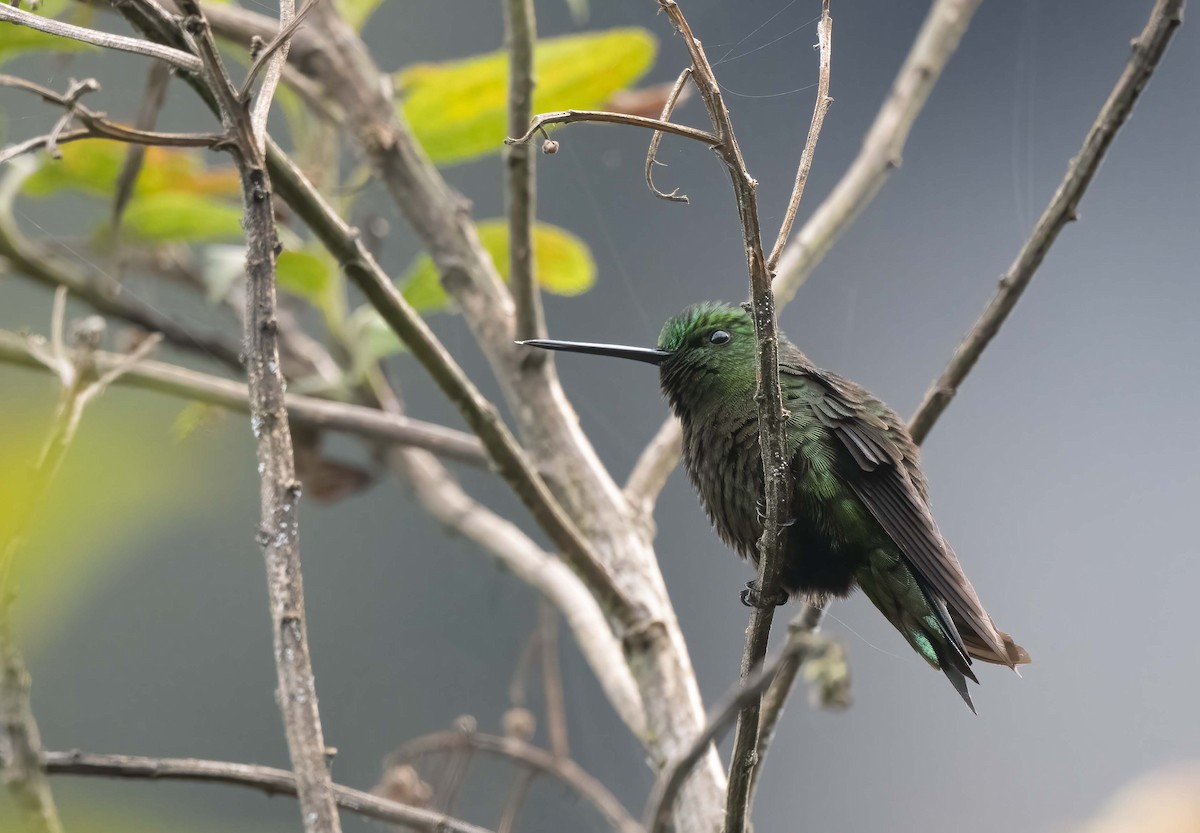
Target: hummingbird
x: 859, y: 514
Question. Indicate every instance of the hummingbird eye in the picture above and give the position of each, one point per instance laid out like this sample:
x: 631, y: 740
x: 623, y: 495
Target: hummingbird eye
x: 718, y: 337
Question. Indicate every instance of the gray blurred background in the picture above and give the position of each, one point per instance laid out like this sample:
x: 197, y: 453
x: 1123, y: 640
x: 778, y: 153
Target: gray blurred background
x: 1066, y: 472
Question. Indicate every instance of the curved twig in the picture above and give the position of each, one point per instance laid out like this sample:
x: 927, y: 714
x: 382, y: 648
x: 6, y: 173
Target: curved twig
x: 603, y: 116
x: 270, y: 780
x: 541, y: 760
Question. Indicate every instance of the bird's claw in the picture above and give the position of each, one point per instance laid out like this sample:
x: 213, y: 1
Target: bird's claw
x: 751, y: 597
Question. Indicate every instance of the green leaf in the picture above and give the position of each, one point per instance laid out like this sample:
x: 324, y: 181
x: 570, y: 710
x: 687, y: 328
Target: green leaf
x: 457, y: 109
x: 92, y: 166
x: 181, y: 216
x: 562, y: 262
x: 306, y: 273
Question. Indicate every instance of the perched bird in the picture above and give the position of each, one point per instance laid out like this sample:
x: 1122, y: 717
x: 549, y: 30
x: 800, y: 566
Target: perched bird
x: 859, y: 512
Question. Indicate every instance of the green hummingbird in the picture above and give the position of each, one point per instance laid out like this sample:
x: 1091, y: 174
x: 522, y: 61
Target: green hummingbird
x: 859, y: 513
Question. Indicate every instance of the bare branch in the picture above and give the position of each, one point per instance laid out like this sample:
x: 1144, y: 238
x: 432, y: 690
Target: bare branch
x: 656, y: 139
x: 1148, y: 48
x: 279, y: 488
x: 268, y: 779
x: 532, y: 757
x: 480, y: 414
x: 882, y: 147
x: 274, y: 58
x: 802, y: 646
x: 540, y: 122
x: 520, y: 35
x: 95, y: 124
x: 654, y: 465
x: 174, y: 57
x: 556, y: 704
x: 825, y: 44
x: 154, y: 96
x: 367, y: 423
x: 445, y: 500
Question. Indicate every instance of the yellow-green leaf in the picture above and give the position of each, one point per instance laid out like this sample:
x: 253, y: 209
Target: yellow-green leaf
x: 182, y: 216
x: 562, y: 263
x: 457, y: 109
x: 303, y: 272
x: 92, y: 166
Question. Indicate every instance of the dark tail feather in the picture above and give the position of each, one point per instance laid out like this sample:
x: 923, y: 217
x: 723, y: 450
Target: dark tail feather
x: 957, y: 679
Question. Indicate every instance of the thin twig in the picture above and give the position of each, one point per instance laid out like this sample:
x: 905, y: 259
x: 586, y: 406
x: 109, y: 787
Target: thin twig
x: 95, y: 124
x: 798, y: 650
x: 174, y: 57
x: 520, y: 173
x: 367, y: 423
x: 280, y: 491
x: 522, y: 781
x: 654, y: 465
x: 268, y: 779
x: 825, y: 45
x: 541, y: 121
x: 806, y: 622
x: 656, y: 139
x: 565, y: 770
x: 154, y: 96
x: 1148, y: 48
x: 883, y: 145
x: 552, y: 684
x: 274, y: 58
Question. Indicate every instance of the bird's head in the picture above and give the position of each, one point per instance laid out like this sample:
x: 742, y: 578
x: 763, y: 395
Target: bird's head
x: 704, y: 354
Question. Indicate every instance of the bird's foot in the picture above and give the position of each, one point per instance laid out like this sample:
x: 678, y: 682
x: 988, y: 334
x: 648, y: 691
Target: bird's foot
x: 761, y: 508
x: 751, y: 597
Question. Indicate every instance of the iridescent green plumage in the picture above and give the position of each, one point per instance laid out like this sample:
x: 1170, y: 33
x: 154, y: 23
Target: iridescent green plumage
x: 859, y: 512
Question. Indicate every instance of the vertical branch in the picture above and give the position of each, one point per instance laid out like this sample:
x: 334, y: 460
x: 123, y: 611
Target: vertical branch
x: 261, y: 108
x: 771, y: 417
x: 279, y: 491
x: 552, y: 686
x: 825, y: 44
x: 520, y: 35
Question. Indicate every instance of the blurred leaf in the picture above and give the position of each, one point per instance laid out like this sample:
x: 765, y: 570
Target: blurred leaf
x: 21, y: 39
x: 562, y: 262
x: 372, y: 338
x: 182, y: 216
x: 579, y: 10
x: 196, y: 417
x: 356, y: 12
x: 307, y: 273
x: 92, y: 166
x: 112, y: 488
x: 457, y: 109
